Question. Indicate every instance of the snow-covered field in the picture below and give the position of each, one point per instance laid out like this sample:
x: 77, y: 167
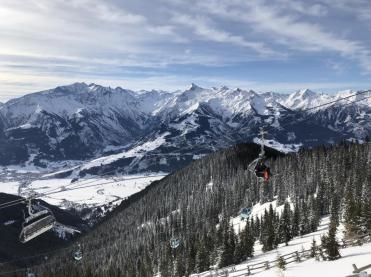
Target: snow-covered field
x: 9, y: 187
x: 139, y: 150
x: 91, y: 191
x: 285, y: 148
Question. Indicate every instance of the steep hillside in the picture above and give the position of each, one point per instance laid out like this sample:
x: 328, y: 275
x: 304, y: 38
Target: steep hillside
x: 196, y: 204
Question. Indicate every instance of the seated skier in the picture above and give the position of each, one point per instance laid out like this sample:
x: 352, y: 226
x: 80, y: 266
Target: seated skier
x: 262, y: 171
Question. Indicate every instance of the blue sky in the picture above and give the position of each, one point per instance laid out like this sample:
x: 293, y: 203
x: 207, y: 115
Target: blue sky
x: 280, y: 45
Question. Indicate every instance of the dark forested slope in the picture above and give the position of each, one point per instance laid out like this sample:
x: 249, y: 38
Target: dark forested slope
x: 194, y: 204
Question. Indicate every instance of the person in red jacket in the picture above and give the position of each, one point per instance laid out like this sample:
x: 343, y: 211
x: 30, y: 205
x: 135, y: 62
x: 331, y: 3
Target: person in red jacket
x: 262, y: 171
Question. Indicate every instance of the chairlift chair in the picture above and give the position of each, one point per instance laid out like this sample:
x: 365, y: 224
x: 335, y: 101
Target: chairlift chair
x: 36, y: 223
x: 257, y: 166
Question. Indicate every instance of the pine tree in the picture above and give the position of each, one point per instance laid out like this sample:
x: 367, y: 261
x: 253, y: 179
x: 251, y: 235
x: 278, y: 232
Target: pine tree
x: 191, y: 256
x: 334, y: 209
x: 304, y: 224
x: 268, y: 236
x: 202, y: 258
x: 295, y: 221
x: 350, y: 216
x: 239, y: 254
x: 284, y: 232
x: 314, y: 215
x: 180, y: 269
x: 281, y: 263
x: 166, y: 262
x: 320, y: 196
x: 245, y: 247
x: 257, y: 227
x: 365, y: 211
x: 329, y: 242
x: 229, y: 244
x: 313, y: 249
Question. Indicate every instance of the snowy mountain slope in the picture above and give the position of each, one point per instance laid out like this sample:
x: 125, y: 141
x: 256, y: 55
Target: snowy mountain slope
x: 359, y: 255
x: 84, y: 122
x: 305, y: 99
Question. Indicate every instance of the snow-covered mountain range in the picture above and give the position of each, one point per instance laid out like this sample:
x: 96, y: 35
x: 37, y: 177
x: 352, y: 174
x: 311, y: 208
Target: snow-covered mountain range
x: 161, y: 131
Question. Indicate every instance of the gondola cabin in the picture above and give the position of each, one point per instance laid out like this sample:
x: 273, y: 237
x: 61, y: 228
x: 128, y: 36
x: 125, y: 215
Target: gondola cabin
x: 174, y: 243
x: 77, y: 256
x: 245, y: 213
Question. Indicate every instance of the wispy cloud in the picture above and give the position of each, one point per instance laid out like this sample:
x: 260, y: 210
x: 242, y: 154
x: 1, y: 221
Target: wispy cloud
x: 138, y: 43
x: 288, y: 29
x: 204, y: 29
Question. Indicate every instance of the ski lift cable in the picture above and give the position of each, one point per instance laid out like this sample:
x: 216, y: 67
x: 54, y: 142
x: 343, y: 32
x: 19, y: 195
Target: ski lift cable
x: 322, y: 105
x: 16, y: 200
x: 337, y: 100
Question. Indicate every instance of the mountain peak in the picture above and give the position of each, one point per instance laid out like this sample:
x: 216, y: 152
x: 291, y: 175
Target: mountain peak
x: 305, y: 93
x: 193, y: 86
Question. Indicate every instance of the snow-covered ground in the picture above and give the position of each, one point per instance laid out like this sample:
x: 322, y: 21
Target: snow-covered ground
x: 90, y: 192
x: 9, y: 187
x: 360, y: 255
x: 285, y: 148
x: 139, y: 150
x: 257, y: 210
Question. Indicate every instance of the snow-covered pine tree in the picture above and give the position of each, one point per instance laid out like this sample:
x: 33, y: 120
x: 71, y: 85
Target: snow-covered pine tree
x: 202, y: 258
x: 351, y: 213
x: 295, y: 220
x: 284, y: 232
x: 313, y: 249
x: 329, y: 242
x: 281, y: 263
x: 229, y: 244
x: 304, y: 224
x: 247, y: 241
x: 180, y: 268
x: 365, y: 215
x: 268, y: 233
x: 314, y: 216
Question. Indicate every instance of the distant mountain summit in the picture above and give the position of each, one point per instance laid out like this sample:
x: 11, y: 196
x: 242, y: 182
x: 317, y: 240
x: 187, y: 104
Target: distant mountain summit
x: 158, y: 130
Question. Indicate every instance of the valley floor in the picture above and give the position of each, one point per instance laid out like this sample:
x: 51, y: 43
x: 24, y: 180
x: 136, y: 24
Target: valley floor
x: 88, y: 192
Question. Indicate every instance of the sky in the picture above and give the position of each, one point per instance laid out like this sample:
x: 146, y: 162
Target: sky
x: 272, y: 45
